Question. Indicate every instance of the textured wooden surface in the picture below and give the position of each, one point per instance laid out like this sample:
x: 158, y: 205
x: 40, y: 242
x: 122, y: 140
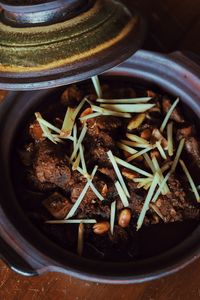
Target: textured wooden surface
x: 173, y: 25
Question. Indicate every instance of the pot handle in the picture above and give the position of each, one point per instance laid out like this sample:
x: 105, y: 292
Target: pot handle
x: 14, y: 261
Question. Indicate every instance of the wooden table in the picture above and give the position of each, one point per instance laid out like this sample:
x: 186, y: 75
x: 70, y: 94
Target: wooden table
x: 173, y: 25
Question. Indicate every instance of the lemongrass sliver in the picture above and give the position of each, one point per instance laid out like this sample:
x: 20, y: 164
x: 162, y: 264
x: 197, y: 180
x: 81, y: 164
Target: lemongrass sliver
x: 149, y: 162
x: 178, y: 154
x: 168, y: 115
x: 80, y: 139
x: 76, y: 163
x: 140, y: 153
x: 128, y: 143
x: 126, y: 148
x: 128, y: 101
x: 96, y: 192
x: 47, y: 124
x: 131, y: 167
x: 97, y: 86
x: 160, y: 149
x: 118, y: 173
x: 143, y: 180
x: 161, y: 187
x: 75, y: 135
x: 170, y: 138
x: 147, y: 201
x: 90, y: 116
x: 86, y: 175
x: 80, y: 243
x: 81, y: 196
x: 121, y: 193
x: 137, y: 139
x: 78, y: 108
x: 189, y: 177
x: 112, y: 216
x: 108, y: 112
x: 82, y: 158
x: 75, y: 221
x: 68, y: 122
x: 128, y: 108
x: 46, y: 132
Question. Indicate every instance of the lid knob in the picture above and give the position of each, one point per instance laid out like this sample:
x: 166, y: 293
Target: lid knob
x: 50, y: 43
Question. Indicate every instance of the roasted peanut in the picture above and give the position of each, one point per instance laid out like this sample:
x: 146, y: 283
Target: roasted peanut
x: 101, y: 227
x: 129, y: 174
x: 136, y: 121
x: 86, y: 112
x: 146, y: 134
x: 124, y: 218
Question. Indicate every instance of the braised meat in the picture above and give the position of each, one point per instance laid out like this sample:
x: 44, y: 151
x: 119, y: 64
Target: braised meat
x: 110, y: 169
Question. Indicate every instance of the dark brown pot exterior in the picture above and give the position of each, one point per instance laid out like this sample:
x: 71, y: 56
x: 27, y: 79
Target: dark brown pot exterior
x: 26, y: 250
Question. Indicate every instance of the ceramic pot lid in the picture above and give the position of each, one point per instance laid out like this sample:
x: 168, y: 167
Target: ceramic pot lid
x: 45, y: 44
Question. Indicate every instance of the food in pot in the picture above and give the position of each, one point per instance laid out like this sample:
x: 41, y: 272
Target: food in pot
x: 107, y: 163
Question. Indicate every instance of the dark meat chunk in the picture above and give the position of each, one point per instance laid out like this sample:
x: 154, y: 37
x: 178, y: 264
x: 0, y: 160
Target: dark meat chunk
x: 103, y: 123
x: 36, y: 132
x: 108, y: 123
x: 51, y: 165
x: 192, y: 146
x: 71, y: 96
x: 57, y: 205
x: 176, y: 114
x: 175, y: 206
x: 97, y: 147
x: 97, y: 210
x: 35, y: 184
x: 185, y: 132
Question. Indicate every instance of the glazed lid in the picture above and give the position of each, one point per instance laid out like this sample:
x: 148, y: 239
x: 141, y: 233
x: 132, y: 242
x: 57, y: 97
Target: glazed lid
x: 45, y: 44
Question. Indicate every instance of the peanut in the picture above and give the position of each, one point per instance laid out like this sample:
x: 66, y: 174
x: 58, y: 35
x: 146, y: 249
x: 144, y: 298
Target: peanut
x: 124, y: 218
x: 101, y: 227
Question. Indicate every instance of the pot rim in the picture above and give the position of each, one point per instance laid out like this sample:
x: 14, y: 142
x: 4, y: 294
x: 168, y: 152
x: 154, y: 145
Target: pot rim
x: 184, y: 68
